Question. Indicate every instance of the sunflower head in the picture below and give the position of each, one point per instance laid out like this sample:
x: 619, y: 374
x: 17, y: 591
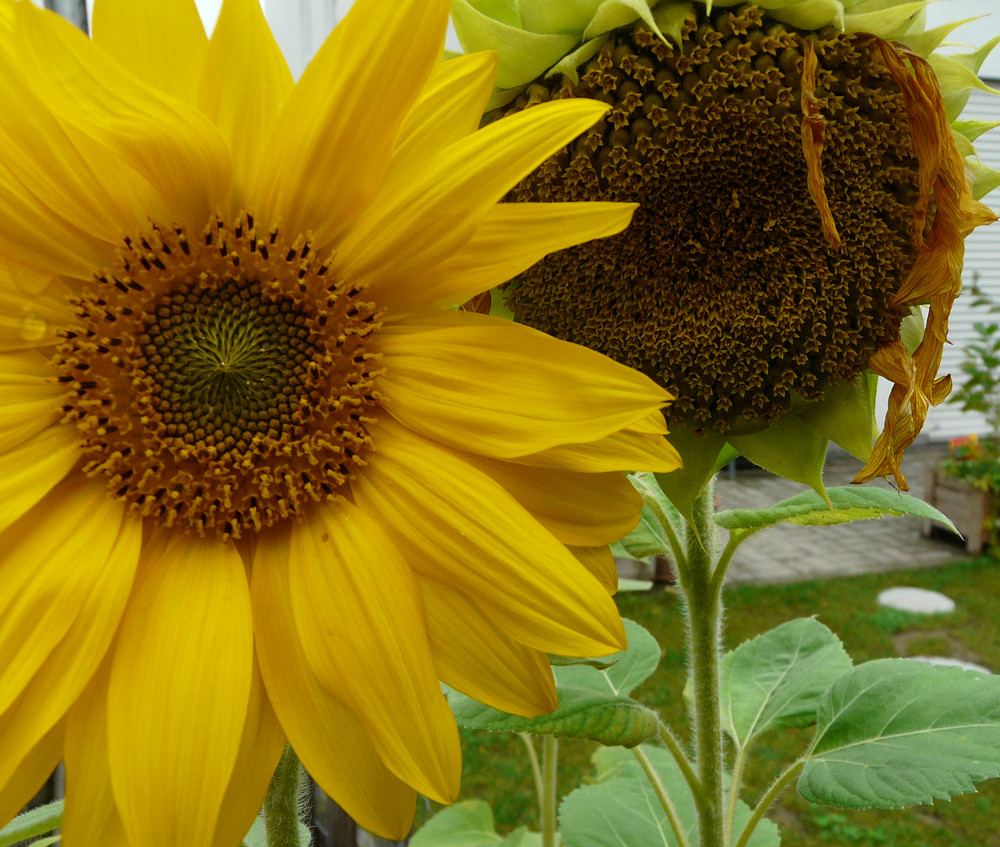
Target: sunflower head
x: 262, y: 482
x: 801, y: 192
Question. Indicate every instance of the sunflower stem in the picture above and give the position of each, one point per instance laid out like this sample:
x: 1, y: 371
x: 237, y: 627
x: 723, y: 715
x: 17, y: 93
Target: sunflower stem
x: 550, y: 761
x: 281, y: 805
x: 536, y: 768
x: 703, y: 598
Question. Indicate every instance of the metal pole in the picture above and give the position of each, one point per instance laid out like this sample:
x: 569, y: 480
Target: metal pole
x: 75, y: 11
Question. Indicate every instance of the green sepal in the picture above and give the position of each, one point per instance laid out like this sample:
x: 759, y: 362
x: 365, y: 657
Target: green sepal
x: 670, y: 19
x: 593, y: 702
x: 37, y: 821
x: 612, y: 14
x: 699, y: 453
x: 973, y: 129
x: 565, y: 16
x: 911, y: 329
x: 895, y: 732
x: 957, y: 76
x: 846, y: 414
x: 925, y: 43
x: 790, y: 448
x: 568, y: 64
x: 523, y: 55
x: 469, y: 823
x: 650, y: 537
x: 984, y: 178
x: 850, y: 503
x: 890, y: 22
x: 811, y: 14
x: 776, y: 680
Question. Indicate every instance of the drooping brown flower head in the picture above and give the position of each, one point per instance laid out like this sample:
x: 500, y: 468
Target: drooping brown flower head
x: 800, y: 192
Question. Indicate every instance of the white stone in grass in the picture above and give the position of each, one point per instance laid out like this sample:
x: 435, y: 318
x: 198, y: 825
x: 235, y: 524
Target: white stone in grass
x: 917, y: 600
x: 958, y: 663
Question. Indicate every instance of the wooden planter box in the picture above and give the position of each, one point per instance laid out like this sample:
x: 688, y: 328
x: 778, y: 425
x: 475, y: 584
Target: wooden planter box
x: 968, y: 507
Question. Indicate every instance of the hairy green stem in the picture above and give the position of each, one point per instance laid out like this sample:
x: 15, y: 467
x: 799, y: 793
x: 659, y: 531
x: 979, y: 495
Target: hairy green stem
x: 536, y: 768
x: 281, y: 805
x: 668, y: 805
x: 703, y: 596
x: 773, y: 793
x: 550, y: 760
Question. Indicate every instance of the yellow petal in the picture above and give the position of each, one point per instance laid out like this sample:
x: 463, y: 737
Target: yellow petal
x: 328, y: 737
x: 32, y: 468
x: 627, y: 450
x: 449, y: 107
x: 475, y: 656
x: 21, y: 779
x: 511, y: 238
x: 330, y: 147
x: 261, y: 747
x: 447, y: 373
x: 90, y: 815
x: 162, y: 43
x: 244, y: 83
x: 126, y: 128
x: 584, y: 509
x: 601, y: 563
x: 67, y: 569
x: 31, y: 323
x: 433, y: 213
x: 179, y: 689
x: 372, y: 652
x: 29, y: 398
x: 462, y: 529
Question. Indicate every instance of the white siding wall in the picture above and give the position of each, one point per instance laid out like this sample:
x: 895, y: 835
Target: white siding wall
x: 982, y: 262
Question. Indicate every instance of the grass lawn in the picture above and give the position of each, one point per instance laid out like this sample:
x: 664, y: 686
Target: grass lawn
x: 497, y: 769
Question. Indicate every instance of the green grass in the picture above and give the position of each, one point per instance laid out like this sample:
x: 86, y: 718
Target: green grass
x: 497, y: 769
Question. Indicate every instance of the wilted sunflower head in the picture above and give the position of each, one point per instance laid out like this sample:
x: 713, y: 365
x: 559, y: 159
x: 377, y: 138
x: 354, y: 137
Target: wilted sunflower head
x: 801, y: 192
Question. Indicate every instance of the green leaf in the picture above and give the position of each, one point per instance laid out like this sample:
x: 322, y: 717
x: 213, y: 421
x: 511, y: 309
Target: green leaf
x: 37, y: 821
x: 850, y: 503
x: 776, y: 679
x: 622, y: 809
x: 466, y: 824
x: 650, y: 538
x: 622, y: 672
x: 895, y: 732
x: 593, y: 703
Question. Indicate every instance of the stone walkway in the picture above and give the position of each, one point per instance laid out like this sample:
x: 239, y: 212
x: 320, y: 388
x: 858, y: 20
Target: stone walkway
x: 788, y: 553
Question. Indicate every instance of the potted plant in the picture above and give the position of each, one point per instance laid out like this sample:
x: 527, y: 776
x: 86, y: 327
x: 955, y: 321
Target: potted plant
x: 966, y: 486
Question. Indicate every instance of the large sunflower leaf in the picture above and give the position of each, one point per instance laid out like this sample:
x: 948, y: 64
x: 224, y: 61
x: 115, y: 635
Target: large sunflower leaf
x: 895, y: 732
x: 850, y: 503
x: 776, y: 679
x: 622, y: 808
x: 469, y: 824
x: 593, y: 701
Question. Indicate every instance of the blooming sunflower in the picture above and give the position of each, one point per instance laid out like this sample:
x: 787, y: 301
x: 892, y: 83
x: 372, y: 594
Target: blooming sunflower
x: 261, y: 480
x: 800, y: 171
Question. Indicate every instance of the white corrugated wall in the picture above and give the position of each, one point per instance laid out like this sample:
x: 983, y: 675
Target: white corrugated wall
x: 982, y: 263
